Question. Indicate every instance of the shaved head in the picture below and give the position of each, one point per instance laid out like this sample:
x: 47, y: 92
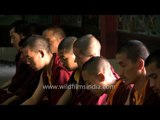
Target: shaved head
x: 56, y: 31
x: 67, y: 44
x: 96, y: 65
x: 134, y: 50
x: 88, y: 45
x: 36, y: 42
x: 98, y: 71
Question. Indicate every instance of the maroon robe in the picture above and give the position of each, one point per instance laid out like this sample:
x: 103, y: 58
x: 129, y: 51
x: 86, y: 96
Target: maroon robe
x: 59, y: 76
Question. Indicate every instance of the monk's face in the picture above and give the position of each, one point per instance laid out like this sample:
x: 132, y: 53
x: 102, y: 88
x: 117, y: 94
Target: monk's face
x: 15, y: 38
x: 34, y: 59
x: 127, y: 69
x: 153, y: 74
x: 53, y: 41
x: 68, y: 59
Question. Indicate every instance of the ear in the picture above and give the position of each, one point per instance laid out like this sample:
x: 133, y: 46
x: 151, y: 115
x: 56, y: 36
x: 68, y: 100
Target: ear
x: 41, y: 52
x: 101, y: 77
x: 140, y: 63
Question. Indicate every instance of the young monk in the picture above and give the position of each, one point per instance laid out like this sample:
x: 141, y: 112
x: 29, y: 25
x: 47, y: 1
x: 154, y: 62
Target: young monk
x: 131, y: 58
x: 152, y: 65
x: 98, y: 76
x: 36, y: 50
x: 65, y: 52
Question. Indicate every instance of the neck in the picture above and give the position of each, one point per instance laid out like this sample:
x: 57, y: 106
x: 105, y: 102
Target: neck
x: 49, y: 59
x: 139, y: 84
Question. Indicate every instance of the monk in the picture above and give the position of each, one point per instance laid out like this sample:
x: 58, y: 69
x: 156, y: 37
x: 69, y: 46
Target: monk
x: 152, y: 65
x: 37, y: 52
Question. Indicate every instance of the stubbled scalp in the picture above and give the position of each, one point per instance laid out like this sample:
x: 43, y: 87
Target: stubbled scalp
x: 88, y: 45
x: 67, y: 44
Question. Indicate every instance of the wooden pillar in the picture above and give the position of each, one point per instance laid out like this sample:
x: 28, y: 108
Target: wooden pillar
x: 108, y: 25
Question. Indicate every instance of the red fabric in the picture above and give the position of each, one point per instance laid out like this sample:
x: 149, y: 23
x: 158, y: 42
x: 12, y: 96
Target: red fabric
x: 60, y: 76
x: 85, y: 97
x: 82, y: 96
x: 102, y: 100
x: 121, y: 94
